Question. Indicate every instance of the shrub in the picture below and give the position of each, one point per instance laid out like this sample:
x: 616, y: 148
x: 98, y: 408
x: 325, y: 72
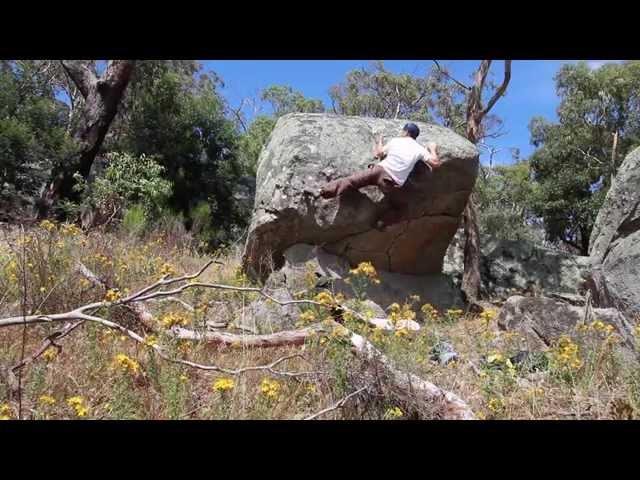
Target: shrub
x: 129, y: 181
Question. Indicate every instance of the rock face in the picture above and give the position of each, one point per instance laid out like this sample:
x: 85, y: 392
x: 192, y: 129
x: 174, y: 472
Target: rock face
x: 268, y: 317
x: 521, y: 265
x: 542, y: 321
x: 308, y: 266
x: 306, y: 151
x: 615, y: 244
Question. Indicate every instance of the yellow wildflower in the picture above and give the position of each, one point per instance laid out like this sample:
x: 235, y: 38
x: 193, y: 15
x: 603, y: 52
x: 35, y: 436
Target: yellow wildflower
x: 47, y: 225
x: 47, y: 400
x: 535, y: 392
x: 566, y: 355
x: 394, y: 412
x: 77, y: 403
x: 496, y: 358
x: 270, y: 388
x: 172, y: 319
x: 112, y: 296
x: 324, y: 298
x: 84, y: 283
x: 496, y: 405
x: 126, y: 364
x: 167, y: 269
x: 184, y: 347
x: 486, y: 316
x: 429, y: 311
x: 223, y: 384
x: 307, y: 316
x: 366, y: 270
x: 378, y: 335
x: 402, y: 332
x: 339, y: 331
x: 401, y: 313
x: 50, y: 353
x: 581, y: 327
x: 70, y: 229
x: 151, y: 340
x: 5, y: 411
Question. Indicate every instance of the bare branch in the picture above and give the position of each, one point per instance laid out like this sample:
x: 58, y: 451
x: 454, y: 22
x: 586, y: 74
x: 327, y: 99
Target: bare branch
x: 501, y: 89
x: 446, y: 74
x: 47, y: 342
x: 81, y: 73
x: 453, y: 406
x: 338, y: 404
x: 279, y: 339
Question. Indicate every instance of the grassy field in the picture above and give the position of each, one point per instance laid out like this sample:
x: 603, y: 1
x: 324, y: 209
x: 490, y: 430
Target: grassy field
x: 98, y: 373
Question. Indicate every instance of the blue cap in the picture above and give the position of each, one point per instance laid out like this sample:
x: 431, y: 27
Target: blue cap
x: 412, y: 129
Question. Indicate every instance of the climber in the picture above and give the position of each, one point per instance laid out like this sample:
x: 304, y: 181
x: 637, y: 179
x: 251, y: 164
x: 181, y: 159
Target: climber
x: 399, y: 157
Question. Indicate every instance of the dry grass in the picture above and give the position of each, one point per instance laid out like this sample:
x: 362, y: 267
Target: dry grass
x: 116, y: 378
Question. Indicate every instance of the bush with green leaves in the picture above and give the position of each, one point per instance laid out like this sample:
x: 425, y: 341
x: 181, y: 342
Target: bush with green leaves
x: 33, y: 134
x: 129, y: 181
x: 505, y: 195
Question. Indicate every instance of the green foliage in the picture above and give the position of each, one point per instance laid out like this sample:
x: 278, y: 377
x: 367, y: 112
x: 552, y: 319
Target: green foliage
x: 435, y: 97
x: 573, y: 163
x: 284, y: 99
x: 254, y: 140
x: 134, y: 220
x: 376, y: 92
x: 504, y: 197
x: 181, y: 122
x: 128, y: 180
x: 33, y: 135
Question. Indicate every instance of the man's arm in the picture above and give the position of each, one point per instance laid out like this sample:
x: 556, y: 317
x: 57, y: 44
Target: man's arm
x: 431, y: 158
x: 380, y: 151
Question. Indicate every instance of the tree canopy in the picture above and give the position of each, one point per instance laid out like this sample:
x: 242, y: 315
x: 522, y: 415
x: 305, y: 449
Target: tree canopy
x: 576, y: 157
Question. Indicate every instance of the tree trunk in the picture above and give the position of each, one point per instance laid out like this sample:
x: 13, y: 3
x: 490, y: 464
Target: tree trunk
x: 471, y: 275
x: 102, y: 95
x: 475, y: 114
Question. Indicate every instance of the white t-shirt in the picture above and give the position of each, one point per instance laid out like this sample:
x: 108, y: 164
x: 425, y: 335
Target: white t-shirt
x: 402, y: 155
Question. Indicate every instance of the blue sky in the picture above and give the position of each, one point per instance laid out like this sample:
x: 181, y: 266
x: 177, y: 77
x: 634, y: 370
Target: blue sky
x: 530, y: 93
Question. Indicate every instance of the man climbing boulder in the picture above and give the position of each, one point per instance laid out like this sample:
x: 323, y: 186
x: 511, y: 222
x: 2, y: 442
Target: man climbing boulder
x: 399, y: 157
x: 307, y: 152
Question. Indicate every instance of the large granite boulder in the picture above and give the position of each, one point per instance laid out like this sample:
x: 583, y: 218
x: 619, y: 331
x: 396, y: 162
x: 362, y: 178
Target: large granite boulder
x: 542, y: 321
x: 306, y: 151
x: 615, y: 239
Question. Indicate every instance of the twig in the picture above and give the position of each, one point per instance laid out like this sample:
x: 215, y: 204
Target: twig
x: 446, y: 74
x: 49, y: 341
x: 338, y: 404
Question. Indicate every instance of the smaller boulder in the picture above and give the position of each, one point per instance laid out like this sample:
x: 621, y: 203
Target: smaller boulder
x: 542, y: 321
